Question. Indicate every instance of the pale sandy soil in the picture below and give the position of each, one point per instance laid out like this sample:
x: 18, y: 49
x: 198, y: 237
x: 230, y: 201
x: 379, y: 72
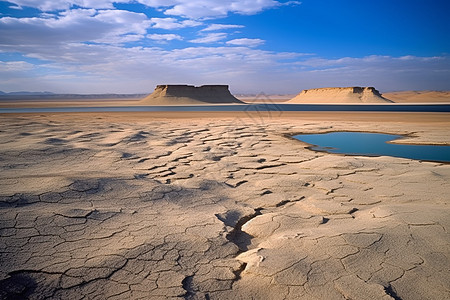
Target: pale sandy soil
x: 68, y: 103
x: 419, y: 96
x: 219, y: 206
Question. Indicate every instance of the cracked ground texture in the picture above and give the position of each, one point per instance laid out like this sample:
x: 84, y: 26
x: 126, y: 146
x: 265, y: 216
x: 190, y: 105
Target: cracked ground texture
x: 98, y: 207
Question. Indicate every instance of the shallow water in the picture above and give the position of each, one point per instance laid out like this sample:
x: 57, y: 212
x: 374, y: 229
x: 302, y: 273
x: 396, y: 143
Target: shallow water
x: 373, y: 144
x: 242, y: 107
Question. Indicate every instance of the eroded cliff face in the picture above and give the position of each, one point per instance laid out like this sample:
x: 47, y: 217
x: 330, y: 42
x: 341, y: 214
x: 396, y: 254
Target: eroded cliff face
x: 188, y: 94
x: 340, y: 95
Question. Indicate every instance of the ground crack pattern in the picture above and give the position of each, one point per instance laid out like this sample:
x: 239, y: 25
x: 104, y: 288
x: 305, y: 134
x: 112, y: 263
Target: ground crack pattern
x: 100, y: 208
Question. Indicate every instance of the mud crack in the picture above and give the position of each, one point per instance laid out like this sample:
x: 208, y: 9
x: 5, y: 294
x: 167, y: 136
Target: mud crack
x: 240, y: 237
x: 188, y: 286
x: 391, y: 292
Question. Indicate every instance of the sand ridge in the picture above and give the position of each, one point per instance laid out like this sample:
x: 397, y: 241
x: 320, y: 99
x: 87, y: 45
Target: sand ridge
x: 103, y: 205
x: 340, y: 95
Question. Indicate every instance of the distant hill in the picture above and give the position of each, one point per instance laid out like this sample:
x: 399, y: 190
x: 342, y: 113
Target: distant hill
x: 340, y: 95
x: 25, y: 93
x: 52, y: 96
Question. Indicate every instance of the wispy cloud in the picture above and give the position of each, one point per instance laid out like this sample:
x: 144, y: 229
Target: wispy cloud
x: 198, y: 9
x: 172, y: 23
x: 210, y: 38
x: 290, y: 3
x: 165, y: 37
x: 118, y: 69
x: 15, y: 66
x: 214, y: 27
x: 77, y: 25
x: 52, y: 5
x: 246, y: 42
x: 192, y: 9
x: 18, y: 7
x: 91, y: 46
x: 246, y: 69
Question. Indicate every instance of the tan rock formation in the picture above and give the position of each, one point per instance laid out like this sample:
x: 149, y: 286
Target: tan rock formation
x: 189, y: 94
x: 340, y: 95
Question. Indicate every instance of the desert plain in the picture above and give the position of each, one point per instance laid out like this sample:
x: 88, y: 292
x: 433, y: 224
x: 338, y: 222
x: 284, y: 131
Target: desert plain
x: 215, y: 205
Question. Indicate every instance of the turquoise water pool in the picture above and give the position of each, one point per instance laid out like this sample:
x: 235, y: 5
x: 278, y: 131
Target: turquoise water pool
x: 373, y: 144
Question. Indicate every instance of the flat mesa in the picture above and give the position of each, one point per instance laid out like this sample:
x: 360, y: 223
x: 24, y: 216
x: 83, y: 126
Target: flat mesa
x: 340, y: 95
x: 190, y: 95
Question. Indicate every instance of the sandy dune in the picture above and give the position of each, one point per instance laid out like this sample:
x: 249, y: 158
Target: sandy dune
x: 340, y: 95
x: 187, y: 94
x: 224, y: 206
x: 419, y: 97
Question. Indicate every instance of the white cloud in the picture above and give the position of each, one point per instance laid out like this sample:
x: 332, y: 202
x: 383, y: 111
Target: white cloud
x: 77, y: 25
x: 18, y: 76
x: 192, y: 9
x: 159, y: 3
x: 385, y: 62
x: 82, y: 68
x: 116, y: 69
x: 210, y: 38
x: 289, y: 3
x: 18, y: 7
x: 197, y: 9
x: 172, y: 23
x: 246, y: 42
x: 214, y: 27
x: 200, y: 9
x: 164, y: 37
x: 51, y: 5
x: 384, y: 72
x: 72, y: 65
x: 14, y: 66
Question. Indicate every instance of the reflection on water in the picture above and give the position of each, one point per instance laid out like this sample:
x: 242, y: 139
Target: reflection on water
x: 373, y: 144
x: 276, y: 107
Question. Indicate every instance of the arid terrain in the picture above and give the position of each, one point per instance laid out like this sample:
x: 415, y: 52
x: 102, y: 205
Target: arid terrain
x: 224, y: 150
x: 219, y: 206
x: 340, y: 95
x: 156, y: 98
x: 419, y: 96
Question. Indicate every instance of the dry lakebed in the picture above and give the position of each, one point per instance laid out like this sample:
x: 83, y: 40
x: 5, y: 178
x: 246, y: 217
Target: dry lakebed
x: 219, y: 206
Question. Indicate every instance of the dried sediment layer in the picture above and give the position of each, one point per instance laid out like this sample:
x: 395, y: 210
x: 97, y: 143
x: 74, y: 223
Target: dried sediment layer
x: 340, y: 95
x: 188, y: 94
x: 226, y: 208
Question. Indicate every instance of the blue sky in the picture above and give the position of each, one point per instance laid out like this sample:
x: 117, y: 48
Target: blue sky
x: 130, y: 46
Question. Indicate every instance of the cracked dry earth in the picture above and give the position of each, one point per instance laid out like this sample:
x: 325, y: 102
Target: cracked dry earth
x: 216, y: 209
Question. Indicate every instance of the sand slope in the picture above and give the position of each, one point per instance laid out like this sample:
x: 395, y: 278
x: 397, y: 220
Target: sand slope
x: 340, y: 95
x: 419, y: 96
x: 187, y: 94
